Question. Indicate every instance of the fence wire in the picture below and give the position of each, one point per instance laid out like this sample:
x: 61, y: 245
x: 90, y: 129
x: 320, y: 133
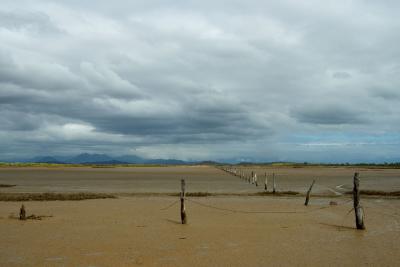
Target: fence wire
x: 253, y: 212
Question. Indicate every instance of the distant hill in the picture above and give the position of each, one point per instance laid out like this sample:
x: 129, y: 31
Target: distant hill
x: 131, y: 159
x: 208, y: 162
x: 107, y: 162
x: 90, y: 158
x: 47, y: 159
x: 167, y: 161
x: 87, y: 158
x: 104, y: 159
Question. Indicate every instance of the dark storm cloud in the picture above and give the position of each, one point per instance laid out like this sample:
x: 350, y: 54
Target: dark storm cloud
x: 17, y: 121
x: 196, y: 79
x: 328, y: 115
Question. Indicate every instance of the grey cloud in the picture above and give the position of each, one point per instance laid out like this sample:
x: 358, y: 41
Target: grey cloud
x: 233, y: 76
x: 17, y: 121
x: 39, y: 75
x: 341, y: 75
x: 200, y: 119
x: 30, y: 22
x: 386, y: 93
x: 329, y: 115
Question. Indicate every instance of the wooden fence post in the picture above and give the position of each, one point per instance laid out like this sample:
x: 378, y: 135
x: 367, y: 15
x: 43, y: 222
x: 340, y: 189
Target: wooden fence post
x: 308, y: 193
x: 22, y: 213
x: 273, y: 183
x: 255, y: 179
x: 183, y: 210
x: 358, y: 210
x: 266, y: 183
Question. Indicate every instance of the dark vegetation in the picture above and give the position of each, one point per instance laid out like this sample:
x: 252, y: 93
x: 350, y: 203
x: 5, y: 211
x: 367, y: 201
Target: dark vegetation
x: 377, y: 193
x: 207, y: 194
x: 7, y: 185
x: 52, y: 196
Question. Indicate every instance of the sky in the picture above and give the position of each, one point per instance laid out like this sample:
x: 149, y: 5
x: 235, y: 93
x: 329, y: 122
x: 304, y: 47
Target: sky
x: 286, y: 80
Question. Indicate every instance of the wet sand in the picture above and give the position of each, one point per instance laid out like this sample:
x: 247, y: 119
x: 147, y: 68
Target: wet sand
x: 134, y: 231
x: 222, y: 230
x: 329, y: 180
x: 119, y: 179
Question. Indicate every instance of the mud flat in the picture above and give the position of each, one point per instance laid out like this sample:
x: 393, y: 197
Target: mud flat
x: 141, y: 231
x: 118, y: 179
x: 329, y: 180
x: 227, y: 226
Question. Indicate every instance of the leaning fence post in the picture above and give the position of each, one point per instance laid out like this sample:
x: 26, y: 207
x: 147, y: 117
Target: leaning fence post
x: 358, y: 210
x: 273, y: 183
x: 308, y: 193
x: 22, y: 213
x: 183, y: 210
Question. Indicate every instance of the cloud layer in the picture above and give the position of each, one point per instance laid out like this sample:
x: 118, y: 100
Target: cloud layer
x: 265, y: 80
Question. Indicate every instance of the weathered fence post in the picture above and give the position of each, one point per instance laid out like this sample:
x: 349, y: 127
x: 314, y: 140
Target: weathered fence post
x: 266, y: 183
x: 308, y: 193
x: 273, y: 183
x: 255, y: 179
x: 22, y: 213
x: 358, y: 210
x: 183, y: 210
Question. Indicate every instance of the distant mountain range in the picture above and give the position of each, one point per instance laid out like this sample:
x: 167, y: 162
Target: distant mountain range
x: 104, y: 159
x: 86, y: 158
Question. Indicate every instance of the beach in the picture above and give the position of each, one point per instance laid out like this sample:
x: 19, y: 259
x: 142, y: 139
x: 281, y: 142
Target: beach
x: 135, y: 231
x: 232, y: 226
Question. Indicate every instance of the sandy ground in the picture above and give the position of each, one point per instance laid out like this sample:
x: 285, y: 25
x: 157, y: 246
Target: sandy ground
x: 198, y: 178
x: 134, y: 231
